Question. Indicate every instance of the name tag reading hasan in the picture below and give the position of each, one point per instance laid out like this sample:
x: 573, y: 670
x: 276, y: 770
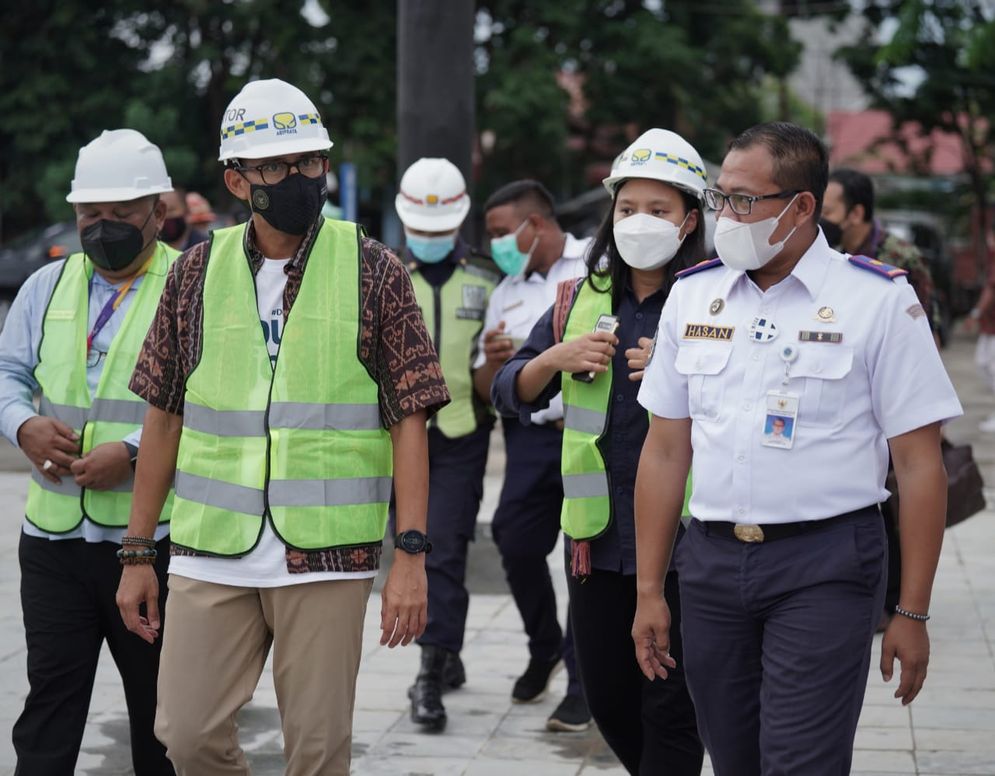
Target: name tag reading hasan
x: 708, y: 332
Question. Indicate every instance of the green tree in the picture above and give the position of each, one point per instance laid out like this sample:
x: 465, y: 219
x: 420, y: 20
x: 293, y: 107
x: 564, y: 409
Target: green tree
x: 696, y: 67
x: 936, y: 69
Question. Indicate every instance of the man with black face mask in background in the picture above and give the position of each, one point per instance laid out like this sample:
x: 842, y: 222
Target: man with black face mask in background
x: 73, y: 335
x: 176, y: 230
x: 284, y: 448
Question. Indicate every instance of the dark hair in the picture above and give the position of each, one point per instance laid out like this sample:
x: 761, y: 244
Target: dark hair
x: 529, y: 194
x: 616, y: 271
x: 858, y: 189
x: 800, y: 159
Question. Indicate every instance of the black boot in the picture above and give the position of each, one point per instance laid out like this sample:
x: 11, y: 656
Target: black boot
x: 453, y: 673
x: 426, y: 692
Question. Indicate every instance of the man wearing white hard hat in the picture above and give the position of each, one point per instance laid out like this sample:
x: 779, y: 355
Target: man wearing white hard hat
x: 73, y: 335
x: 284, y: 445
x: 452, y: 284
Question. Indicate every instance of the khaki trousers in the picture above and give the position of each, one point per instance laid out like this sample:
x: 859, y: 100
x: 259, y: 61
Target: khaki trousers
x: 213, y: 654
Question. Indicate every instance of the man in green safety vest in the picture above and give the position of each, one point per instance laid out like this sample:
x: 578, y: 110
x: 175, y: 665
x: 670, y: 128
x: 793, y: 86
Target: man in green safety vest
x: 72, y: 336
x: 453, y: 285
x: 290, y: 377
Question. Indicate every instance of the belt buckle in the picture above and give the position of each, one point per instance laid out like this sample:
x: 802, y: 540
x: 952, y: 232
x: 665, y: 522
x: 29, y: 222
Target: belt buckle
x: 748, y: 533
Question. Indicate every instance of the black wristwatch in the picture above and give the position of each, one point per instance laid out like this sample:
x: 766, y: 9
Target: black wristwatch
x: 412, y: 542
x: 132, y: 453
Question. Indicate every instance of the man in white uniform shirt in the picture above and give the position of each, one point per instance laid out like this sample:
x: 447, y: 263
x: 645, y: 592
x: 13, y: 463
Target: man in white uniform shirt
x: 535, y: 254
x: 783, y: 566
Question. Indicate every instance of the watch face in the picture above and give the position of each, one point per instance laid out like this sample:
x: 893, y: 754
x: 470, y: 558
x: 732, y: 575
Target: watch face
x: 412, y: 541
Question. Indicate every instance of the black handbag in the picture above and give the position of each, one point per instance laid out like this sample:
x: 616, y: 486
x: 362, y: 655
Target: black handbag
x: 965, y: 488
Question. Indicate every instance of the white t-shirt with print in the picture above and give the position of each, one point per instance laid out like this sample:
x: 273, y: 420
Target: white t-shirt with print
x: 266, y: 564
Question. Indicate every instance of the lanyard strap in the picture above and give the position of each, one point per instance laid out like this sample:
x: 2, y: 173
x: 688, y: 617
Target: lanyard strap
x: 113, y: 303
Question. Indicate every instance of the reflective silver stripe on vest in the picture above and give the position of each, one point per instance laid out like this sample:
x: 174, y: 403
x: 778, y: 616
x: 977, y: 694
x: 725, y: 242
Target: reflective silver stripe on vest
x: 319, y: 493
x: 583, y: 420
x: 224, y: 423
x: 585, y: 485
x: 301, y: 415
x: 321, y: 417
x: 68, y: 414
x: 118, y: 411
x: 104, y: 410
x: 66, y: 487
x: 223, y: 495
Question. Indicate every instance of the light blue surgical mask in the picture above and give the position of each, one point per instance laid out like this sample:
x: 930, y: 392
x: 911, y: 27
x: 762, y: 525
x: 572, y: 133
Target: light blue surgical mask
x: 430, y: 250
x: 504, y: 250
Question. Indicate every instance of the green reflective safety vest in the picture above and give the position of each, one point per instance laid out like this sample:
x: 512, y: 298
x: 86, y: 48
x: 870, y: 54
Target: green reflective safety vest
x: 587, y: 505
x: 300, y: 442
x: 454, y: 315
x: 112, y: 413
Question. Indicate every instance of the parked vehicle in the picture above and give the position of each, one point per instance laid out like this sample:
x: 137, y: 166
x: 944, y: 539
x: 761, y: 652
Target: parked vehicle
x: 20, y: 258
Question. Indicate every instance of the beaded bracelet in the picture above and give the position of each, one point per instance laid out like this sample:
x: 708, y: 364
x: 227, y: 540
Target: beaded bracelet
x: 137, y: 557
x: 142, y: 541
x: 911, y: 615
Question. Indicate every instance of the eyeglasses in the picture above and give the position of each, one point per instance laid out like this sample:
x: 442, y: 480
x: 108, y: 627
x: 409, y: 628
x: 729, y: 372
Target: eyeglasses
x: 273, y: 172
x: 741, y: 204
x: 94, y: 357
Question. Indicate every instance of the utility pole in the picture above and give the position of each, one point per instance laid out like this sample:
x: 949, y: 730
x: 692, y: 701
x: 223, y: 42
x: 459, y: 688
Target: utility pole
x: 435, y: 71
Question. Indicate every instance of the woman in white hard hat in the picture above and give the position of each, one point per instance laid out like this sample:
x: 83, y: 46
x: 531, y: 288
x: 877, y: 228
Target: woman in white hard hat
x: 452, y: 284
x: 594, y: 344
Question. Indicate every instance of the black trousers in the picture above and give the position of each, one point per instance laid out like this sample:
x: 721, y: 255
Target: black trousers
x: 67, y: 596
x: 650, y: 726
x: 456, y: 485
x: 525, y: 527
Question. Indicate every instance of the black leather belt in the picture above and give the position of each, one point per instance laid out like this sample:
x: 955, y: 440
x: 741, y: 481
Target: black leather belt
x: 751, y: 533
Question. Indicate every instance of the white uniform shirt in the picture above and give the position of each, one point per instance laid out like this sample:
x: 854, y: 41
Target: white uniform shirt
x: 882, y: 378
x: 521, y: 301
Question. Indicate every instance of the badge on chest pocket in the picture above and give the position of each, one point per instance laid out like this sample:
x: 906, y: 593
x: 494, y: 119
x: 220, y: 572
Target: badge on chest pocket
x: 474, y: 301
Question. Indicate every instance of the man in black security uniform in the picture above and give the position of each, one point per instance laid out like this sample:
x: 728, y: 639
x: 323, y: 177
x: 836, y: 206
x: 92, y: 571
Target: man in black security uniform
x: 452, y: 285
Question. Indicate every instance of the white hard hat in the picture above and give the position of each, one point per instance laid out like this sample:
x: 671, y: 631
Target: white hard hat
x: 433, y: 196
x: 271, y: 118
x: 661, y: 155
x: 119, y: 166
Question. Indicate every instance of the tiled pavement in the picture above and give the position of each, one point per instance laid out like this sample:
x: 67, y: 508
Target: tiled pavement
x: 949, y: 730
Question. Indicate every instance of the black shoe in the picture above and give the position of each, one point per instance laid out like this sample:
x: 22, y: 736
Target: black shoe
x: 571, y: 716
x: 426, y: 692
x: 453, y: 673
x: 531, y: 686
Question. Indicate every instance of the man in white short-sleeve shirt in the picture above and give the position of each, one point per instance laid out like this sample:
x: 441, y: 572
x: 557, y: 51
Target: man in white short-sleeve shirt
x: 783, y: 566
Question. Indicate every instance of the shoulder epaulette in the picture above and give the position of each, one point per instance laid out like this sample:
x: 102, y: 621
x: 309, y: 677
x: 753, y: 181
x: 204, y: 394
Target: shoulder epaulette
x: 701, y: 266
x: 878, y: 267
x: 474, y: 265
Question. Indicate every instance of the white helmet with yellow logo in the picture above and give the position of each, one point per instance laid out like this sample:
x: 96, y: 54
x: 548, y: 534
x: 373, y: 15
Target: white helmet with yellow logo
x: 119, y: 166
x: 433, y: 196
x: 271, y: 118
x: 661, y: 155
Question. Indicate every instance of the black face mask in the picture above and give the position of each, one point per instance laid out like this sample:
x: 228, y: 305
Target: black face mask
x: 833, y: 232
x: 291, y: 205
x: 173, y: 229
x: 113, y: 245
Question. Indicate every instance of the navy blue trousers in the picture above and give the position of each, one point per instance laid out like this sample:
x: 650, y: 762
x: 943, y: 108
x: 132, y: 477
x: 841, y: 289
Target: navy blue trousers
x: 456, y: 485
x: 67, y: 595
x: 526, y: 526
x: 777, y: 643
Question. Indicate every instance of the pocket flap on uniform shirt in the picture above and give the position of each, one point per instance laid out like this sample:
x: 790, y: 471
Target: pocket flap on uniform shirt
x: 823, y: 361
x: 702, y: 360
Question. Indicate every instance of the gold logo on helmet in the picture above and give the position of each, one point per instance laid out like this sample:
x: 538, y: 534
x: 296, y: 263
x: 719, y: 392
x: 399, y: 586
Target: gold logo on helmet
x: 284, y: 120
x: 641, y: 155
x: 432, y: 199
